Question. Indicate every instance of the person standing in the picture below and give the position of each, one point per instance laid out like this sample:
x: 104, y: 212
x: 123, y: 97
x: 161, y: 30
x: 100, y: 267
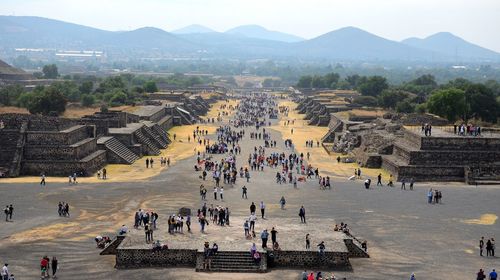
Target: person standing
x: 264, y: 236
x: 42, y: 180
x: 221, y: 193
x: 262, y: 209
x: 403, y: 184
x: 481, y: 246
x: 54, y: 267
x: 493, y: 275
x: 282, y: 203
x: 215, y: 193
x: 5, y: 272
x: 302, y: 214
x: 492, y: 247
x: 308, y: 242
x: 481, y: 275
x: 252, y: 208
x: 244, y: 192
x: 11, y: 210
x: 6, y: 212
x: 274, y: 232
x: 429, y: 196
x: 488, y: 248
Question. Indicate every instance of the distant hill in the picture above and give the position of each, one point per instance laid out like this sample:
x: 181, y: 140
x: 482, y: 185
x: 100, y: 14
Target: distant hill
x: 447, y: 43
x: 259, y: 32
x: 355, y: 44
x: 193, y: 29
x: 243, y: 42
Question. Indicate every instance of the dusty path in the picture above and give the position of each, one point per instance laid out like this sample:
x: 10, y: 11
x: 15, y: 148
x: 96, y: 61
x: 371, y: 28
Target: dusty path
x: 404, y: 233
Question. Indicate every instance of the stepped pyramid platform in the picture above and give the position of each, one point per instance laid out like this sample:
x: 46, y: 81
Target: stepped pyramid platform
x: 444, y: 156
x: 186, y: 249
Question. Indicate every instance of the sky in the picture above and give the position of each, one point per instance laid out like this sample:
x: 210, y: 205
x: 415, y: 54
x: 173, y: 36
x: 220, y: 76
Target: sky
x: 477, y: 21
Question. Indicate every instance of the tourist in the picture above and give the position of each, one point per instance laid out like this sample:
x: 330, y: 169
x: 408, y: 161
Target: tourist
x: 188, y: 222
x: 304, y: 275
x: 411, y: 183
x: 481, y: 246
x: 6, y: 211
x: 123, y: 230
x: 221, y: 193
x: 246, y: 228
x: 379, y: 179
x: 44, y: 267
x: 104, y: 174
x: 302, y: 214
x: 274, y: 232
x: 42, y: 179
x: 311, y: 276
x: 488, y: 248
x: 368, y: 183
x: 147, y: 162
x: 215, y: 193
x: 264, y: 235
x: 203, y: 221
x: 54, y: 265
x: 390, y: 184
x: 493, y: 275
x: 244, y: 192
x: 481, y: 275
x: 252, y: 208
x: 492, y: 247
x: 321, y: 248
x: 430, y: 194
x: 308, y: 242
x: 5, y: 272
x: 403, y: 184
x: 262, y: 209
x: 412, y: 277
x: 282, y: 203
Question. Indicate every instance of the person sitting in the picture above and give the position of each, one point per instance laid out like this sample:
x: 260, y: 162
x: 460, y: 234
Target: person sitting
x: 215, y: 248
x: 123, y: 230
x: 256, y: 257
x: 253, y: 249
x: 276, y: 246
x: 336, y: 228
x: 157, y: 246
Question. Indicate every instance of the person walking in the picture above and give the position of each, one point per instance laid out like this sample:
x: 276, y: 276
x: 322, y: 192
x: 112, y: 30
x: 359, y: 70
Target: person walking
x: 54, y: 265
x: 302, y: 214
x: 11, y: 210
x: 262, y: 209
x: 379, y: 179
x: 282, y: 203
x: 481, y: 275
x: 42, y: 180
x: 274, y: 232
x: 5, y: 272
x: 252, y: 208
x: 493, y: 275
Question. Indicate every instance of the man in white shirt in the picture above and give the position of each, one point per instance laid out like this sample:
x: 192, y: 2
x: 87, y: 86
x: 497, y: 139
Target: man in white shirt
x: 5, y: 272
x: 252, y: 219
x: 221, y: 193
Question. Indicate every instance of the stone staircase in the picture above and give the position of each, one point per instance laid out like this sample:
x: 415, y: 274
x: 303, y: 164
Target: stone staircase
x: 149, y: 148
x: 162, y: 133
x: 154, y: 137
x: 120, y: 150
x: 234, y: 262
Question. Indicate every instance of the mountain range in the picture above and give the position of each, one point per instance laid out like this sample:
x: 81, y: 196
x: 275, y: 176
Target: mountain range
x: 248, y: 41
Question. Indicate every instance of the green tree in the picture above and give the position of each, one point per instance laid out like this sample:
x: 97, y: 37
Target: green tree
x: 448, y: 103
x: 317, y: 82
x: 481, y: 103
x: 86, y: 87
x: 366, y: 101
x: 373, y: 86
x: 405, y: 107
x: 50, y: 101
x: 10, y: 94
x: 150, y: 86
x: 331, y: 80
x: 118, y: 98
x: 389, y: 98
x: 50, y: 71
x: 304, y: 82
x: 87, y: 100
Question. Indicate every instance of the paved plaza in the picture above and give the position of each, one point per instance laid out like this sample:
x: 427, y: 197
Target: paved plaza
x: 405, y: 234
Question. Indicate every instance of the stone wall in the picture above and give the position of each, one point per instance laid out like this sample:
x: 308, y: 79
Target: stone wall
x: 140, y: 258
x: 58, y: 137
x: 460, y: 143
x: 85, y: 167
x: 37, y: 122
x: 309, y: 259
x: 56, y: 152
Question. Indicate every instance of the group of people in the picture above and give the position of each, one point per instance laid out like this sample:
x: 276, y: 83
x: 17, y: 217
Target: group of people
x: 434, y: 197
x: 467, y: 130
x: 319, y: 276
x: 46, y: 264
x: 427, y: 129
x: 102, y: 174
x: 63, y: 209
x: 490, y: 247
x: 8, y: 211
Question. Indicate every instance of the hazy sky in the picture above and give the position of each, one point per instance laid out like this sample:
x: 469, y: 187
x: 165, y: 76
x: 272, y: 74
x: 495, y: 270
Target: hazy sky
x: 477, y: 21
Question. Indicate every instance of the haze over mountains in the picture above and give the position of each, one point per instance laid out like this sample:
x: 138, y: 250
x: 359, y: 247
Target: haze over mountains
x: 250, y: 41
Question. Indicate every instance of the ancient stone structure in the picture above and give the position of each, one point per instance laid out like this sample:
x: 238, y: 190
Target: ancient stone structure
x: 237, y: 261
x: 34, y: 145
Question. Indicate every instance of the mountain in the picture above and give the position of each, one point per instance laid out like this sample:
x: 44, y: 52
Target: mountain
x: 355, y: 44
x: 447, y: 43
x: 193, y: 29
x: 259, y: 32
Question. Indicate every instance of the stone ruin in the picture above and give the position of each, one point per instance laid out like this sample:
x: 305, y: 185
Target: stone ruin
x: 35, y: 145
x: 395, y: 143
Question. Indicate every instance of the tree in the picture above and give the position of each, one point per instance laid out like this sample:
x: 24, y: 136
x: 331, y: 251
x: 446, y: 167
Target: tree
x: 150, y: 86
x: 304, y: 82
x: 373, y: 86
x: 481, y: 103
x: 50, y: 101
x: 86, y: 87
x: 10, y: 94
x: 317, y: 82
x: 389, y: 98
x: 87, y: 100
x: 448, y: 103
x: 405, y: 107
x: 50, y: 71
x: 331, y: 80
x: 425, y: 80
x: 118, y: 98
